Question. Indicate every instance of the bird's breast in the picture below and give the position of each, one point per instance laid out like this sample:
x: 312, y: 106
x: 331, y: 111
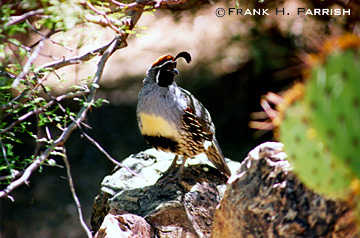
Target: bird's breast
x: 155, y: 125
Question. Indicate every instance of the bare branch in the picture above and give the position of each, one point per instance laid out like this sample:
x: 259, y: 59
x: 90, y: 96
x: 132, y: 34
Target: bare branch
x: 47, y: 36
x: 16, y: 19
x: 107, y: 155
x: 103, y: 14
x: 29, y: 49
x: 125, y: 6
x: 28, y: 63
x: 94, y: 142
x: 74, y: 60
x: 163, y: 4
x: 14, y: 174
x: 102, y: 21
x: 73, y: 192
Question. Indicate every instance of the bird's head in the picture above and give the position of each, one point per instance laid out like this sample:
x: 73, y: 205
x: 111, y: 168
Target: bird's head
x: 163, y: 71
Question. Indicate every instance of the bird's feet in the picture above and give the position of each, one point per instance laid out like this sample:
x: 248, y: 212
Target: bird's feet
x: 174, y: 173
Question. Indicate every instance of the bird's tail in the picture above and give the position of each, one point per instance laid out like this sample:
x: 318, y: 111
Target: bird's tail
x: 216, y: 157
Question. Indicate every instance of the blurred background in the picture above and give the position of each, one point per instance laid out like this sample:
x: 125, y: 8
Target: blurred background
x: 236, y: 60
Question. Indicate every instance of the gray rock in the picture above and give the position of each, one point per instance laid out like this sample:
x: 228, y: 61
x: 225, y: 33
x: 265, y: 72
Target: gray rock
x: 173, y: 208
x: 263, y: 198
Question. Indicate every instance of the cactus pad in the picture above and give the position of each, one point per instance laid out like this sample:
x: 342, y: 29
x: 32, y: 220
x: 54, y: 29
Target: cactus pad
x: 321, y: 131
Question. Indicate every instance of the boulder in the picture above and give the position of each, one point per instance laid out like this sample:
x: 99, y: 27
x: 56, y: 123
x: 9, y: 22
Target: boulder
x: 262, y: 198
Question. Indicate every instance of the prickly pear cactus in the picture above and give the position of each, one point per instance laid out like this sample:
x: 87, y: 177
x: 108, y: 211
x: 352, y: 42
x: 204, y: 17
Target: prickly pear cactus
x: 321, y: 127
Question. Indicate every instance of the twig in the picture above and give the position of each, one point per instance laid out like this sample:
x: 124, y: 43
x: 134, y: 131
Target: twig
x: 16, y: 19
x: 41, y: 109
x: 26, y: 92
x: 107, y: 155
x: 107, y: 20
x: 47, y: 36
x: 74, y: 60
x: 7, y: 74
x: 94, y: 142
x: 28, y: 63
x: 12, y: 172
x: 100, y: 20
x: 125, y: 6
x: 29, y: 49
x: 13, y: 101
x: 156, y: 3
x: 73, y: 192
x: 67, y: 132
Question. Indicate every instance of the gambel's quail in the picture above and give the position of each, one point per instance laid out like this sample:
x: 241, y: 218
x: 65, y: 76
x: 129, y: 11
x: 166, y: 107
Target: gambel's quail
x: 172, y: 119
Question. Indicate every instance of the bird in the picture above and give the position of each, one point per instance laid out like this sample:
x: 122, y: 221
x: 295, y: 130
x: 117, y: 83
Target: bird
x: 171, y: 119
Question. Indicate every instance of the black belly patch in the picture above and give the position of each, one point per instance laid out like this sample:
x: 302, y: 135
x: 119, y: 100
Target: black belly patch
x: 162, y: 143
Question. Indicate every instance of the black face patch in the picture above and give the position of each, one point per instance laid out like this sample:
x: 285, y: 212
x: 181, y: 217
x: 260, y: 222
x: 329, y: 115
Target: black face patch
x: 166, y: 74
x: 165, y: 77
x: 162, y: 143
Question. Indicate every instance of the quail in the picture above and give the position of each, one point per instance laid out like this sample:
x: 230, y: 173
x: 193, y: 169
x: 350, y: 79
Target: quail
x: 171, y: 119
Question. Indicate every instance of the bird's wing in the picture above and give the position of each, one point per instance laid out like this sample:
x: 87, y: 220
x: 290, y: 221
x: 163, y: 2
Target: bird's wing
x: 197, y: 118
x: 198, y: 121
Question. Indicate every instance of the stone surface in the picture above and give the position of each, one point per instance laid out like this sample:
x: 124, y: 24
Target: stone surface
x: 124, y: 226
x: 265, y: 199
x: 173, y: 208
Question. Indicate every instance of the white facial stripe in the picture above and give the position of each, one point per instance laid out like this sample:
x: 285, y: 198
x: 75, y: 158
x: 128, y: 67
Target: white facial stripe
x: 157, y: 76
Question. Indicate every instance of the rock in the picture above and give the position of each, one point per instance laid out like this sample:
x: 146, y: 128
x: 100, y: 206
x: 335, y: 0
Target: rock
x: 265, y: 199
x: 172, y: 208
x: 124, y: 226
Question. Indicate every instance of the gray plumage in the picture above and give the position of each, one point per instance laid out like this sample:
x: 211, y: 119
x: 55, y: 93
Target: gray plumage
x: 172, y: 119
